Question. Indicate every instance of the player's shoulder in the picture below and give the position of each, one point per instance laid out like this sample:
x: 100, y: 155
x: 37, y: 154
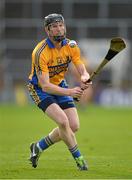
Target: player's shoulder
x: 40, y: 45
x: 72, y: 43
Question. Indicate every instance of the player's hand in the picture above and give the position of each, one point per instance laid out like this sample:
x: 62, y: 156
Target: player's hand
x: 85, y: 77
x: 84, y: 81
x: 76, y: 92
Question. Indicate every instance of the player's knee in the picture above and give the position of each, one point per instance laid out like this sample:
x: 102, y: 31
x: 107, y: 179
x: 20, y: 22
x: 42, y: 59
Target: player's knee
x: 75, y: 127
x: 64, y: 124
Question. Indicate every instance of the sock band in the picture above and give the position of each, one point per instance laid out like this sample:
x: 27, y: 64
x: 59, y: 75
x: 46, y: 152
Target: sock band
x: 72, y: 150
x: 75, y: 151
x: 45, y: 143
x: 48, y: 141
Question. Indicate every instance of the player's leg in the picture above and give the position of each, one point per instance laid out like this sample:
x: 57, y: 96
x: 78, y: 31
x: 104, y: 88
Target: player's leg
x: 54, y: 135
x: 42, y: 100
x: 73, y: 121
x: 74, y: 124
x: 65, y: 132
x: 65, y: 102
x: 73, y: 118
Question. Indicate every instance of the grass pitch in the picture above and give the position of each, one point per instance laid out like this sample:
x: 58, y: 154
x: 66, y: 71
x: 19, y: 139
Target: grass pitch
x: 105, y: 139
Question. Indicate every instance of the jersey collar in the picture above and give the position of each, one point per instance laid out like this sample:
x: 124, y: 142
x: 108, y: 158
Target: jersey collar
x: 51, y: 45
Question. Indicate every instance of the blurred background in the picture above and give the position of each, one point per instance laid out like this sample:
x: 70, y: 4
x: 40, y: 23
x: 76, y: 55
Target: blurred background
x: 92, y: 23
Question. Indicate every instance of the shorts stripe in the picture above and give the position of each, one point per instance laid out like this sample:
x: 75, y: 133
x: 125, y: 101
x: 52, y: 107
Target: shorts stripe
x: 43, y: 100
x: 33, y: 93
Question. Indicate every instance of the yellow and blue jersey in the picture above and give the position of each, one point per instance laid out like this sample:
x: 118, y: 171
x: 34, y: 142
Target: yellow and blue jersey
x: 46, y: 58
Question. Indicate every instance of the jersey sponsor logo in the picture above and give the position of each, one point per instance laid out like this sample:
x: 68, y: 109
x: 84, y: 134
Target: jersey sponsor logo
x: 54, y: 70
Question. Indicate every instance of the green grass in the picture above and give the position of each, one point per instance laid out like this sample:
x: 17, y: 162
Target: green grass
x: 105, y: 138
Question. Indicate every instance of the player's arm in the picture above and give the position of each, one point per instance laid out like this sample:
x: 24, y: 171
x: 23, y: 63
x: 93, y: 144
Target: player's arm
x: 48, y: 87
x: 84, y: 75
x: 83, y: 72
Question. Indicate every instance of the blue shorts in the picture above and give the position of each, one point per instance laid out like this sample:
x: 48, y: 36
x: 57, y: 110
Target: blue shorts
x: 44, y: 99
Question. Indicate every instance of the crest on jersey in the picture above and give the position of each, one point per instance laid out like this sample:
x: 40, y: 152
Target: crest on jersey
x: 72, y: 43
x: 59, y: 60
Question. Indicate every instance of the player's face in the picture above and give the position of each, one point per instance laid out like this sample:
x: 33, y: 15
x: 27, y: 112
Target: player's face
x: 56, y: 29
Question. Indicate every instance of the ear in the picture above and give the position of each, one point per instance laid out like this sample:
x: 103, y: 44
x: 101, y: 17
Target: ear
x: 47, y: 30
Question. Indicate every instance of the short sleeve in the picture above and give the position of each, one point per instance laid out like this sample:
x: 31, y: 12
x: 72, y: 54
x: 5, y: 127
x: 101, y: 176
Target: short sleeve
x: 40, y: 62
x: 75, y: 51
x: 43, y: 63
